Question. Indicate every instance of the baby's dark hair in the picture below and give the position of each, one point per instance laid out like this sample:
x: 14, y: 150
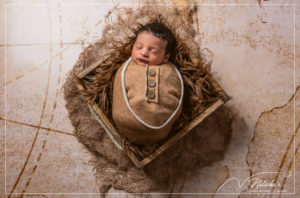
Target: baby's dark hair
x: 161, y: 31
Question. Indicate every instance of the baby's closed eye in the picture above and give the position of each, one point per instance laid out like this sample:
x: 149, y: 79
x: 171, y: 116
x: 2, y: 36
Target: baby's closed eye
x: 139, y: 46
x: 154, y: 50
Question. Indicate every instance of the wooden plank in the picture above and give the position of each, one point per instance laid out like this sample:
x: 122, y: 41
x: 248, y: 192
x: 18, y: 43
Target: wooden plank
x: 106, y: 121
x: 219, y: 88
x: 115, y: 140
x: 135, y: 160
x: 89, y: 69
x: 181, y: 133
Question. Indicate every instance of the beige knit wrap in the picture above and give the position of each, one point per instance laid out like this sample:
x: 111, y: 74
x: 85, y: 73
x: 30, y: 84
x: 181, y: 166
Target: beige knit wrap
x: 158, y: 112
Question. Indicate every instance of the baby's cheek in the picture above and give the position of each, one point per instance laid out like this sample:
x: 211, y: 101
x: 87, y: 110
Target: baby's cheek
x: 132, y: 53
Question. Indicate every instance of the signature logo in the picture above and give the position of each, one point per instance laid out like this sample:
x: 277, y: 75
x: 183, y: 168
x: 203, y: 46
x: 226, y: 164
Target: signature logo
x: 257, y: 183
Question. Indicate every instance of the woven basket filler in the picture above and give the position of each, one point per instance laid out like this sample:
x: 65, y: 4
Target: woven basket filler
x: 103, y: 85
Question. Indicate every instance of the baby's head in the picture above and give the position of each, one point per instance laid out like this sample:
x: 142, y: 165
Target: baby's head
x: 153, y: 45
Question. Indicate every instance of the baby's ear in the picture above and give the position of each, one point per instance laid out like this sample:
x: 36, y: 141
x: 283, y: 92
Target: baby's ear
x: 166, y: 58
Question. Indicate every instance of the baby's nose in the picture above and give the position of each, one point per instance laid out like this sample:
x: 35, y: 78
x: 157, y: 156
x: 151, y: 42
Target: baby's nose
x: 145, y: 52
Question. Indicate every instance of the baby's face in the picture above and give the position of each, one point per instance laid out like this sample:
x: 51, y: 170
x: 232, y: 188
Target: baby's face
x: 149, y: 49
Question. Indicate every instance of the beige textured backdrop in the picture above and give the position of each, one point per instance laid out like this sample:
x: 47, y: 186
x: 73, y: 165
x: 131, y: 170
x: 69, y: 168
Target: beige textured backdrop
x: 256, y: 60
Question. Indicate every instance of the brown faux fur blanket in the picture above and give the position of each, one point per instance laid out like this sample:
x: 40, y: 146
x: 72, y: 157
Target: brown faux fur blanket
x: 203, y: 145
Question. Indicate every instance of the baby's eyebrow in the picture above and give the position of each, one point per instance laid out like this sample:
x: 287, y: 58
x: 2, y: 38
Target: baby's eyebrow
x: 139, y: 43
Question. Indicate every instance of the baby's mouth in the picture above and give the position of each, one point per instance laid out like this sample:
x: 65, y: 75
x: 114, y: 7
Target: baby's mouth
x: 143, y: 61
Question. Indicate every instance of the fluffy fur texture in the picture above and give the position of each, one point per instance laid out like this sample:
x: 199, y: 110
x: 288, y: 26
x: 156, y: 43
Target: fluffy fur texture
x: 200, y: 147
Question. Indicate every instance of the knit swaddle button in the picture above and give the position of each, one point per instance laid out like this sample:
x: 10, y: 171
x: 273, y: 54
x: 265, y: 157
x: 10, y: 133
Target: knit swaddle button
x: 151, y: 83
x: 151, y: 95
x: 151, y: 72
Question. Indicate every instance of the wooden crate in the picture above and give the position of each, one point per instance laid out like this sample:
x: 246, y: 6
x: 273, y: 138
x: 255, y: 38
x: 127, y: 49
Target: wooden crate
x: 112, y: 132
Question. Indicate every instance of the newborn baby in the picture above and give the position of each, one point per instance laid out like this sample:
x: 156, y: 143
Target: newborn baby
x: 148, y: 90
